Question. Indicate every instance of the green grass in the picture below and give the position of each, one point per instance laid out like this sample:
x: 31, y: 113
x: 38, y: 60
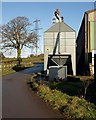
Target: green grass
x: 77, y: 88
x: 24, y: 64
x: 7, y: 71
x: 70, y: 106
x: 32, y: 59
x: 71, y: 88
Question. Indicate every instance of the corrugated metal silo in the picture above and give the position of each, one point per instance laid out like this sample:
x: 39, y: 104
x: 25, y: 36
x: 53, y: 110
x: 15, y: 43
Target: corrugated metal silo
x: 60, y: 47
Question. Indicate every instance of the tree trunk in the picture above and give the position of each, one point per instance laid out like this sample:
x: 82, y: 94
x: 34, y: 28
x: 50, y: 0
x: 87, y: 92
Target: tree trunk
x: 19, y: 55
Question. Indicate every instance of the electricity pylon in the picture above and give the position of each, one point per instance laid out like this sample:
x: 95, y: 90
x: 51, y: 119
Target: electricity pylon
x: 37, y: 33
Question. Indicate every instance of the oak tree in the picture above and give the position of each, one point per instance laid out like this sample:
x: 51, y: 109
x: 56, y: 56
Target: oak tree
x: 16, y: 34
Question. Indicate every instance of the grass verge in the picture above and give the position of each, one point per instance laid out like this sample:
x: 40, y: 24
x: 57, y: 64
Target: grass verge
x: 24, y: 64
x: 71, y: 106
x: 6, y: 71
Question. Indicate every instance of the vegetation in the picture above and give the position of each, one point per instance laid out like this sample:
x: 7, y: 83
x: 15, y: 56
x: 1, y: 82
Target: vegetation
x: 1, y: 56
x: 80, y: 86
x: 73, y: 107
x: 7, y: 71
x: 16, y: 34
x: 69, y: 105
x: 26, y: 63
x: 25, y: 60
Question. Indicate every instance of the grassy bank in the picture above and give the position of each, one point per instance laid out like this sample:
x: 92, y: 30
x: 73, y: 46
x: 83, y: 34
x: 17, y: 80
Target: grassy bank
x: 9, y: 64
x: 70, y: 106
x: 7, y: 71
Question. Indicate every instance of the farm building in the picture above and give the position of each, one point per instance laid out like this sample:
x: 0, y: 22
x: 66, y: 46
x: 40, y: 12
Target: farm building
x: 60, y: 47
x: 86, y: 44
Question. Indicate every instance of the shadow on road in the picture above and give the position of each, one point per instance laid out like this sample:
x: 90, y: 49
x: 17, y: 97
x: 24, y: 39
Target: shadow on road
x: 19, y: 68
x: 28, y: 70
x: 38, y: 67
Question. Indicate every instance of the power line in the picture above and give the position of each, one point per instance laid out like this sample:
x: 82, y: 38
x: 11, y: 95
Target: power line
x: 36, y: 22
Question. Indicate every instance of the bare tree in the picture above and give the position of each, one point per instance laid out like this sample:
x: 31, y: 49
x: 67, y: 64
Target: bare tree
x: 16, y: 34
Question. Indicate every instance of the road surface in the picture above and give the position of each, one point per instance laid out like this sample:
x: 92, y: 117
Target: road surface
x: 18, y: 100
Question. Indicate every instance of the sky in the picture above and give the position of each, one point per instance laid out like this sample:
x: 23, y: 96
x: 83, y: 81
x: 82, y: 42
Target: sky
x: 44, y: 11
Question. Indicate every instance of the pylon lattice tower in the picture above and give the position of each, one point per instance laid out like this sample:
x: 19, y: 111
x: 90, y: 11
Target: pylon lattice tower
x: 37, y: 33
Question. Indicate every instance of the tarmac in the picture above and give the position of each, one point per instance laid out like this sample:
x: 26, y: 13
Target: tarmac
x: 18, y: 100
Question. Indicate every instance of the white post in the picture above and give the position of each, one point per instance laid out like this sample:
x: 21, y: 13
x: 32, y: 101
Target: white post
x: 73, y: 59
x: 45, y: 60
x: 93, y: 52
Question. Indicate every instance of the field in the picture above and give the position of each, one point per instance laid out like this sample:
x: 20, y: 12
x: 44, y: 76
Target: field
x: 9, y: 65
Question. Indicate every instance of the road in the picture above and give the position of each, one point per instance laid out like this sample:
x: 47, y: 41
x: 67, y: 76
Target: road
x: 18, y: 100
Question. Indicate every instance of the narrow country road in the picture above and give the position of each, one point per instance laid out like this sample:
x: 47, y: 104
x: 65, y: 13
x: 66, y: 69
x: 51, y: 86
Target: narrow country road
x: 18, y: 101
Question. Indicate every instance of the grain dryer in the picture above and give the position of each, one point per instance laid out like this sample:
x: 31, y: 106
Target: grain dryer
x: 60, y: 47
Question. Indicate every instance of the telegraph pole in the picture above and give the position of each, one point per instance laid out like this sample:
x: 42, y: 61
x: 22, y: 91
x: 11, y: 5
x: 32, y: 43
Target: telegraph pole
x: 37, y: 32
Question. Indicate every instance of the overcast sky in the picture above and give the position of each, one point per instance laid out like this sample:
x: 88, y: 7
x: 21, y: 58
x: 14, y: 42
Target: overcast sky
x: 71, y: 11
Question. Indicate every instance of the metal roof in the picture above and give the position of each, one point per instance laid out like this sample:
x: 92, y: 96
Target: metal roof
x: 60, y: 27
x: 89, y: 11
